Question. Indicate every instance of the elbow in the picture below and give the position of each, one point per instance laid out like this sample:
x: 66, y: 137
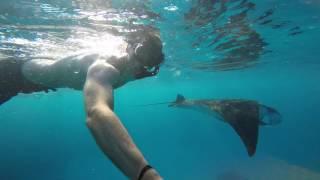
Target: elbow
x: 89, y: 122
x: 96, y: 114
x: 92, y: 116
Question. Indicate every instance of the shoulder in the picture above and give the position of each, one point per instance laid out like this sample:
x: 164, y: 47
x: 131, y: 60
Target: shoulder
x: 103, y: 72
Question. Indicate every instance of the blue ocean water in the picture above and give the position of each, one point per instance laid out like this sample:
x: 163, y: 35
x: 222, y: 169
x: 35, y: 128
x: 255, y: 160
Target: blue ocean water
x: 43, y: 135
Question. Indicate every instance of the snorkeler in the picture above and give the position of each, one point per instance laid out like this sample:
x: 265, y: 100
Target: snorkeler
x: 138, y: 56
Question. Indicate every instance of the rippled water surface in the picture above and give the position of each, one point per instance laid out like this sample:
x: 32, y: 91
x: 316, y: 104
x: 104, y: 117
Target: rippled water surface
x: 263, y: 50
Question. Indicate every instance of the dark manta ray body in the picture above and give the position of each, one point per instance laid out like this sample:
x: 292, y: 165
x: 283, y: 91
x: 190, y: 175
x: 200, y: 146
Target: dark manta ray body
x: 244, y: 116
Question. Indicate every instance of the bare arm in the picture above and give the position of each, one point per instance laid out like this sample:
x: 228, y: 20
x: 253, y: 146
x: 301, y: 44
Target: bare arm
x: 108, y: 131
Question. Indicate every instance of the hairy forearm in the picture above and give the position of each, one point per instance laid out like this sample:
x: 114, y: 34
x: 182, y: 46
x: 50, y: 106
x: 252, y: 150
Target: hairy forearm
x: 115, y: 141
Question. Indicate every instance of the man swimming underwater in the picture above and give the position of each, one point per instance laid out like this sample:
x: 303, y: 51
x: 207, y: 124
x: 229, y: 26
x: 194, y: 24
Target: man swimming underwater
x: 138, y: 56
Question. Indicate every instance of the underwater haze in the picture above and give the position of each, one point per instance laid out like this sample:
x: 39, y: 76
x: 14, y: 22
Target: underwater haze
x: 262, y: 50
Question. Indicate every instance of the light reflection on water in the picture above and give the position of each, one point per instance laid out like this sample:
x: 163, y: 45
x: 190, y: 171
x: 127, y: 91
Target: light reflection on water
x: 35, y: 29
x: 201, y: 35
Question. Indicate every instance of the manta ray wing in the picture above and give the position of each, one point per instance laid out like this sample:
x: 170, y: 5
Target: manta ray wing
x: 243, y: 116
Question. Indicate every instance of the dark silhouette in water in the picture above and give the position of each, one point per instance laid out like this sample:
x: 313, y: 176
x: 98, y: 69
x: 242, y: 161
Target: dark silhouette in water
x: 244, y: 116
x: 295, y: 31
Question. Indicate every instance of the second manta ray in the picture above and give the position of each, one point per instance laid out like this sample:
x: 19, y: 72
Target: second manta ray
x: 244, y: 116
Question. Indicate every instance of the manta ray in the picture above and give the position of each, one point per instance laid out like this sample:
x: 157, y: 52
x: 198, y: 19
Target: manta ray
x: 244, y: 116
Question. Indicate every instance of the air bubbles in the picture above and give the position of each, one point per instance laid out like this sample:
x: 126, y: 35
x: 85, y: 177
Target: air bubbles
x: 177, y: 73
x: 22, y: 55
x: 171, y: 8
x: 3, y: 17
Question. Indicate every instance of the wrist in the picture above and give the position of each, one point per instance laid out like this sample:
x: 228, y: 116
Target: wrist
x: 151, y: 174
